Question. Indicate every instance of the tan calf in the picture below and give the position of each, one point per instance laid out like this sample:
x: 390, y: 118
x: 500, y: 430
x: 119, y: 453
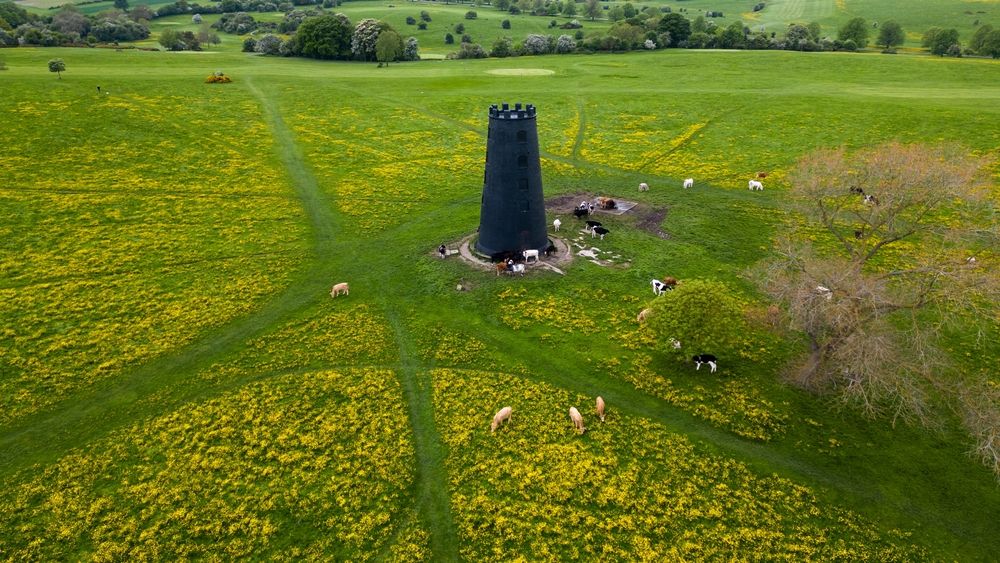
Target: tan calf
x: 600, y: 408
x: 574, y: 415
x: 340, y: 288
x: 498, y: 419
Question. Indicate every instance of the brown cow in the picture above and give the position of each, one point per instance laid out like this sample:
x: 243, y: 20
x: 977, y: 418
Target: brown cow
x: 600, y: 408
x: 762, y: 175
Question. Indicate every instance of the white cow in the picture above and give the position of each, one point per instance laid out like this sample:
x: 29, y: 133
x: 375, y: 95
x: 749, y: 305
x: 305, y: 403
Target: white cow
x: 755, y: 185
x: 556, y: 224
x: 529, y: 254
x: 688, y: 183
x: 577, y: 419
x: 644, y: 187
x: 340, y: 288
x: 499, y: 418
x: 600, y: 408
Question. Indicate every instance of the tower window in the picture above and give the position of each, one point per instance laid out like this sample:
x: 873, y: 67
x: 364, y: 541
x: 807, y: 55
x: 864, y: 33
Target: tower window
x: 522, y: 136
x: 522, y: 161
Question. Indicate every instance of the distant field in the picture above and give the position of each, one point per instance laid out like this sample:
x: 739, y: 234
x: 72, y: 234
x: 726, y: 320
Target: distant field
x: 176, y: 381
x: 916, y: 16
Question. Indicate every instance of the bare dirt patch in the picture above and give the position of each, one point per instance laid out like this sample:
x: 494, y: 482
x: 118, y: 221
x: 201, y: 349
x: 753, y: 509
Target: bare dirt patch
x: 640, y: 215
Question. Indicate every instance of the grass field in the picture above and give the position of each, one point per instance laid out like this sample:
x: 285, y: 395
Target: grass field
x: 177, y: 382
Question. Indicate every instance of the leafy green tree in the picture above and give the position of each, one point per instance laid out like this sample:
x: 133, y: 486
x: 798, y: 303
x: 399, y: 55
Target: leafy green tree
x: 502, y: 47
x: 121, y: 5
x: 699, y: 25
x: 629, y: 10
x: 325, y: 37
x: 815, y: 31
x: 944, y: 39
x: 855, y: 30
x: 13, y: 15
x: 677, y: 26
x: 388, y: 47
x: 979, y: 37
x: 502, y: 5
x: 991, y: 45
x: 616, y: 14
x: 732, y: 37
x: 592, y: 9
x: 929, y: 35
x: 569, y: 8
x: 57, y: 66
x: 890, y: 34
x: 704, y: 315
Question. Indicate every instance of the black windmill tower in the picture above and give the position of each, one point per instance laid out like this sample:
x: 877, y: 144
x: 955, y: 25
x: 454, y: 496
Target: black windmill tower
x: 512, y: 217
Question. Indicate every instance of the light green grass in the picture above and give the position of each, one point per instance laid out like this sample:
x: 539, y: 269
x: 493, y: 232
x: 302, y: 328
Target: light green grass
x: 367, y: 170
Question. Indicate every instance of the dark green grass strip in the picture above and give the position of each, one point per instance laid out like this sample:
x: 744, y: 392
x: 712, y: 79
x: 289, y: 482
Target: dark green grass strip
x: 433, y: 495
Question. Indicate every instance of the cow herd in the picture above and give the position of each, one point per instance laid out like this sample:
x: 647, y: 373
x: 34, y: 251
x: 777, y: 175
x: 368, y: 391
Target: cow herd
x: 504, y: 415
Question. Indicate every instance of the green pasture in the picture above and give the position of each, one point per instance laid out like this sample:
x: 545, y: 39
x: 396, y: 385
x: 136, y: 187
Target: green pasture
x: 175, y: 380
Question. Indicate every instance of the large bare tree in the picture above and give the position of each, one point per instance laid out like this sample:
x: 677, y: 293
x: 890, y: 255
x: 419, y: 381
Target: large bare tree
x: 887, y: 246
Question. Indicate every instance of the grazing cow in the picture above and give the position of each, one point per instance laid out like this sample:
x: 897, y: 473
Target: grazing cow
x: 658, y: 287
x: 592, y: 224
x: 556, y: 224
x: 644, y: 187
x: 755, y: 185
x: 871, y: 200
x: 550, y: 250
x: 574, y: 415
x: 340, y: 288
x: 501, y: 267
x: 761, y: 175
x: 600, y: 408
x: 824, y: 291
x: 511, y: 268
x: 442, y: 251
x: 669, y: 283
x: 599, y: 231
x: 580, y: 213
x: 529, y: 254
x: 499, y: 418
x: 642, y: 315
x: 688, y: 183
x: 857, y: 190
x: 704, y: 359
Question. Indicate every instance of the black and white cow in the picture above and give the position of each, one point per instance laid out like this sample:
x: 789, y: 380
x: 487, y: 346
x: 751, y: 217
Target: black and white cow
x: 704, y: 359
x: 592, y: 224
x: 598, y: 231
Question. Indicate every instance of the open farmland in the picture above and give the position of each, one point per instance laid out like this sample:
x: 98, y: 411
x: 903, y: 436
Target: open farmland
x: 176, y: 381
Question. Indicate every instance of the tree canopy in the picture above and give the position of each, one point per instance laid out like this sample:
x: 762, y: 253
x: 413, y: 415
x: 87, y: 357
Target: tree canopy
x: 325, y: 37
x: 704, y: 315
x: 57, y: 66
x: 890, y: 34
x: 892, y: 266
x: 855, y: 30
